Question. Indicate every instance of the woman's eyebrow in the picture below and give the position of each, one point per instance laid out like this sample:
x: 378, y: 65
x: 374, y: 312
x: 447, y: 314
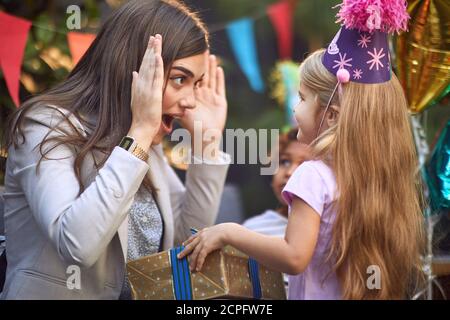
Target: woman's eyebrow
x: 188, y: 72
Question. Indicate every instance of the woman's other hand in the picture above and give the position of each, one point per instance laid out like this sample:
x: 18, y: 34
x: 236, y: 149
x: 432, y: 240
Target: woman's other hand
x: 211, y: 107
x: 146, y: 95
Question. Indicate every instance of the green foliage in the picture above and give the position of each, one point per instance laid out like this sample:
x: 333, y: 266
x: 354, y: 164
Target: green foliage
x: 315, y: 21
x: 48, y: 32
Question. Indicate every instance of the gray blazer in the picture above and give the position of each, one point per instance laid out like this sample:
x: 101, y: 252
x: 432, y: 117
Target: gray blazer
x: 49, y: 228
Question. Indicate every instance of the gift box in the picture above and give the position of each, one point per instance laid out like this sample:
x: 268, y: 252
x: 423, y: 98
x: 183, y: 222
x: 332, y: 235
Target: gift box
x: 226, y: 274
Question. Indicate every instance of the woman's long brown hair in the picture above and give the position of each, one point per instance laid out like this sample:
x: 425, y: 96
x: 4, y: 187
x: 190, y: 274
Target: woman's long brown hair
x: 379, y: 219
x: 99, y: 86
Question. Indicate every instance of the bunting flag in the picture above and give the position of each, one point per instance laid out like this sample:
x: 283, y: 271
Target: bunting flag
x: 13, y: 37
x: 280, y: 14
x: 78, y: 44
x: 14, y: 33
x: 242, y: 39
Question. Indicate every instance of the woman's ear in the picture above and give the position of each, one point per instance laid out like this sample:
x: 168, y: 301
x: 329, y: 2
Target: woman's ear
x: 333, y: 115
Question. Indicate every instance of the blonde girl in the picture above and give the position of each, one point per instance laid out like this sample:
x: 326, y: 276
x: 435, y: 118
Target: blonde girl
x: 353, y: 209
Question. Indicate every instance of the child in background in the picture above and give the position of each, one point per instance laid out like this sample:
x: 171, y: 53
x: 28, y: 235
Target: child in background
x: 355, y: 208
x: 292, y: 153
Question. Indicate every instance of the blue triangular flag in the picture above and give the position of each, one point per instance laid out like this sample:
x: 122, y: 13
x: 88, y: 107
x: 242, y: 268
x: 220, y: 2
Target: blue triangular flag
x: 242, y: 39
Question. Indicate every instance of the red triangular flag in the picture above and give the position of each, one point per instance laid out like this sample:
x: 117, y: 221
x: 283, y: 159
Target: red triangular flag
x: 280, y: 15
x: 13, y: 37
x: 78, y: 44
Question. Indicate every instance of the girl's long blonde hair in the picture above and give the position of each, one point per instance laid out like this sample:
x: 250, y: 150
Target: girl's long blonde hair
x: 379, y: 218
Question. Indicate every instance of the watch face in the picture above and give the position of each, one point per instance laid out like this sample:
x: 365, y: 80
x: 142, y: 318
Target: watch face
x: 126, y: 143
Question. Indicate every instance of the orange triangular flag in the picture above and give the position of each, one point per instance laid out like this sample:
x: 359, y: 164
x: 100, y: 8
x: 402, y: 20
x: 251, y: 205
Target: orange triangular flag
x: 78, y: 44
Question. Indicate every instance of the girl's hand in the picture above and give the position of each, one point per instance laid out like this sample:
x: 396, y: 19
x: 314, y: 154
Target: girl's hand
x: 147, y: 91
x: 203, y: 243
x: 211, y: 102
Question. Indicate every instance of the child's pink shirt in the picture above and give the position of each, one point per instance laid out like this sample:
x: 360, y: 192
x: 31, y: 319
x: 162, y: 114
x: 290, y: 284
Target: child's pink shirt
x: 314, y: 182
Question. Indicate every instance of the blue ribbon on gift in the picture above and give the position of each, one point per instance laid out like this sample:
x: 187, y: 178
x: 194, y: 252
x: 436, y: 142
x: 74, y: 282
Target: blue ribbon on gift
x: 181, y: 275
x: 253, y: 271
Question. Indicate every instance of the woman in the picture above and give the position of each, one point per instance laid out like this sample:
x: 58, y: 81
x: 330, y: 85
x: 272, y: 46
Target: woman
x: 87, y: 185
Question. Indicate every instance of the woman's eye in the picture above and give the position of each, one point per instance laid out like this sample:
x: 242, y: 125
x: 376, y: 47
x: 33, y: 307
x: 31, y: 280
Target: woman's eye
x: 178, y: 80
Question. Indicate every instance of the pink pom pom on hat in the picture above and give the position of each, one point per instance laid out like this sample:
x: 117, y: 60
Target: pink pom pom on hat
x: 343, y: 76
x: 361, y: 45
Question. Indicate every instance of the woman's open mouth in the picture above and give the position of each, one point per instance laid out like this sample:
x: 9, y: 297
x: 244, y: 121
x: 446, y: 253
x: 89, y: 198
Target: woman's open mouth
x: 167, y: 121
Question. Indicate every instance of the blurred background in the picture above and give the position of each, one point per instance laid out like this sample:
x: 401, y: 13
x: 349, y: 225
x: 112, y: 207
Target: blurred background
x: 49, y: 55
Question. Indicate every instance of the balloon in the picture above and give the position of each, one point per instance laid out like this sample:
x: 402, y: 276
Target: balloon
x: 437, y: 174
x: 423, y: 53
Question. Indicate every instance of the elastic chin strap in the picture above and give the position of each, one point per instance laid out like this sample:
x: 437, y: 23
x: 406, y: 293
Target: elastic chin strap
x: 326, y: 109
x: 343, y: 76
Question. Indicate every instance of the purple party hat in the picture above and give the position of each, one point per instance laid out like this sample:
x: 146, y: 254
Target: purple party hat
x: 361, y: 45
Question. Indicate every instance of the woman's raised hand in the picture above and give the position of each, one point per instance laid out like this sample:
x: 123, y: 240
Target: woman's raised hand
x: 146, y: 95
x: 211, y: 103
